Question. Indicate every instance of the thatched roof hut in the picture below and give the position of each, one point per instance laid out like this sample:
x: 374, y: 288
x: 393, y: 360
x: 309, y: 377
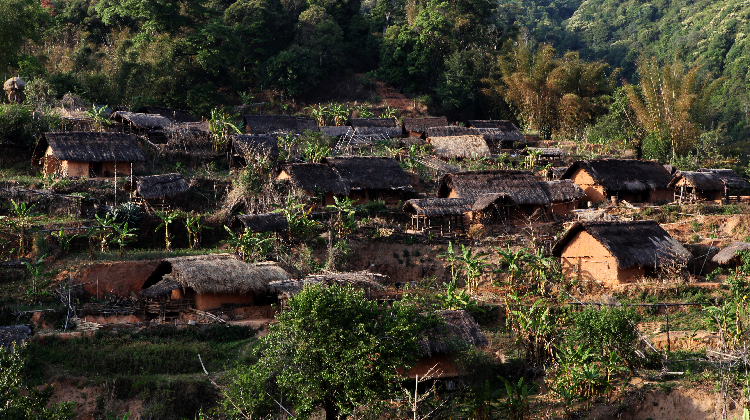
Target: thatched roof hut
x: 163, y: 287
x: 161, y: 186
x: 420, y: 125
x: 548, y: 152
x: 219, y: 273
x: 358, y: 280
x: 501, y: 124
x: 730, y: 178
x: 637, y: 243
x: 521, y: 186
x: 370, y: 172
x: 460, y: 146
x: 486, y: 201
x: 564, y: 190
x: 142, y: 121
x: 557, y: 173
x: 88, y: 147
x: 174, y: 115
x: 252, y: 145
x: 14, y: 335
x: 385, y: 127
x: 437, y: 206
x: 729, y: 254
x: 628, y: 175
x: 704, y: 181
x: 269, y: 124
x: 14, y: 83
x: 336, y: 130
x: 264, y: 222
x: 449, y: 131
x: 312, y: 177
x: 459, y: 330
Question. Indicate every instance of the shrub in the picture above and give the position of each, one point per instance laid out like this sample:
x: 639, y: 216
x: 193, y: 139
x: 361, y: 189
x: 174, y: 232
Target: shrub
x: 607, y: 331
x: 22, y: 127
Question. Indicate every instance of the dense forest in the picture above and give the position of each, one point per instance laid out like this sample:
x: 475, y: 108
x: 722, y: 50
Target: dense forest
x: 572, y: 70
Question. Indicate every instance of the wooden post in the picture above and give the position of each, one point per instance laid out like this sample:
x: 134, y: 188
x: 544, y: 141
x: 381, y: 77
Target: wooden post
x: 669, y: 344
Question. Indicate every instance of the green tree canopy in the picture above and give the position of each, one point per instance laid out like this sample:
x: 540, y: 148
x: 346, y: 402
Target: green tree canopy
x: 19, y: 20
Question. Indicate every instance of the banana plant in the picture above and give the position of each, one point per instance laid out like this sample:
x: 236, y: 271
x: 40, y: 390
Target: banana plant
x: 123, y: 236
x: 38, y: 283
x: 194, y: 226
x: 474, y: 265
x: 221, y: 127
x: 167, y: 218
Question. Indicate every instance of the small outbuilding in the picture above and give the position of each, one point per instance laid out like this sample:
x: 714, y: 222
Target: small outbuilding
x: 730, y: 255
x: 499, y: 134
x: 160, y: 189
x: 249, y: 147
x: 84, y: 154
x: 617, y: 252
x: 565, y: 194
x: 449, y: 131
x: 416, y: 127
x: 270, y: 124
x: 697, y: 186
x: 264, y: 222
x: 174, y: 115
x: 372, y: 178
x: 734, y: 184
x: 636, y: 181
x: 460, y: 147
x: 438, y: 215
x: 377, y: 127
x: 315, y: 179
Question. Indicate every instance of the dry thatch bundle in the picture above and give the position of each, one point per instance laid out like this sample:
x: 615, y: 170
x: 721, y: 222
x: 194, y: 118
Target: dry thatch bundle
x: 14, y: 335
x: 312, y: 177
x: 174, y: 115
x: 449, y: 131
x: 437, y: 206
x: 459, y: 330
x: 89, y: 147
x: 460, y: 146
x: 420, y: 125
x: 161, y: 186
x: 224, y: 273
x: 370, y: 172
x: 730, y: 253
x: 704, y: 181
x: 639, y: 243
x: 264, y: 222
x: 623, y: 174
x: 521, y: 186
x: 251, y: 146
x: 269, y: 124
x: 563, y: 191
x: 165, y: 286
x: 358, y: 280
x: 730, y: 178
x: 142, y: 121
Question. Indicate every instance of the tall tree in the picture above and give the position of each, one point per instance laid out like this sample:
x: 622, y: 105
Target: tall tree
x: 19, y: 20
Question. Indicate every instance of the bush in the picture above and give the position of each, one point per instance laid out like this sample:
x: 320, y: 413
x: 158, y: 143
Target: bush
x: 19, y: 126
x: 606, y: 331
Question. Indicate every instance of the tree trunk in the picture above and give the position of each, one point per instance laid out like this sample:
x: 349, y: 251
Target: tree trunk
x: 331, y: 411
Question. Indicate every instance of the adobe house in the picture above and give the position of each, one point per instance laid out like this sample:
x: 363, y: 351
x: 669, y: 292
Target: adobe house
x: 460, y: 147
x: 636, y: 181
x: 270, y: 124
x: 86, y: 154
x: 617, y: 252
x: 440, y: 215
x: 159, y: 190
x: 372, y: 178
x: 315, y: 179
x: 565, y: 194
x: 377, y: 127
x: 499, y: 134
x: 416, y: 127
x: 439, y: 345
x: 697, y: 186
x: 734, y: 184
x: 514, y: 195
x: 211, y: 282
x: 174, y: 115
x: 248, y: 147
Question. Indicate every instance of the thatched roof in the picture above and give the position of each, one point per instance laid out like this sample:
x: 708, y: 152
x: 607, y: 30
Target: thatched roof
x: 251, y: 145
x: 336, y: 130
x: 358, y: 280
x: 313, y: 177
x: 501, y: 124
x: 558, y: 172
x: 459, y: 330
x: 370, y: 172
x: 143, y: 121
x: 704, y: 181
x: 373, y: 122
x: 437, y: 206
x: 521, y: 186
x: 14, y: 335
x: 14, y: 83
x: 623, y: 174
x: 639, y: 243
x: 440, y: 166
x: 448, y: 131
x: 548, y: 151
x: 389, y: 132
x: 264, y: 222
x: 460, y: 146
x: 420, y: 125
x: 562, y: 191
x: 495, y: 137
x: 166, y: 285
x: 267, y: 124
x: 729, y: 254
x: 670, y: 168
x: 89, y: 146
x: 731, y: 179
x: 174, y: 115
x: 485, y: 201
x: 224, y: 273
x: 161, y: 186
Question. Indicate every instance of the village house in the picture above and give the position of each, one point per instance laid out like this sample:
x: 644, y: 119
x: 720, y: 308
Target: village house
x: 212, y: 282
x: 416, y: 127
x: 263, y: 222
x: 617, y: 252
x: 635, y: 181
x: 565, y: 195
x: 84, y: 154
x: 376, y: 127
x: 271, y: 124
x: 693, y: 187
x: 249, y: 147
x: 315, y: 180
x: 460, y: 147
x: 499, y: 134
x: 438, y: 215
x: 498, y: 195
x: 734, y: 184
x: 372, y: 178
x: 160, y: 190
